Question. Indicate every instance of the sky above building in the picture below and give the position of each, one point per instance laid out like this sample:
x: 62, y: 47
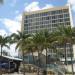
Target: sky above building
x: 11, y: 13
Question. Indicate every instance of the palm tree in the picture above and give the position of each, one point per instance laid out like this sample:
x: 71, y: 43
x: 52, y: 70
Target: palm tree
x: 4, y: 42
x: 30, y: 47
x: 66, y: 35
x: 42, y: 40
x: 21, y: 39
x: 47, y: 44
x: 38, y: 40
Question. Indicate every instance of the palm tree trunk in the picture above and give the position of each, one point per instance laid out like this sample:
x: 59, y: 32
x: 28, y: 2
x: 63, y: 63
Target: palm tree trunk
x: 1, y: 56
x: 33, y: 57
x: 65, y: 55
x: 1, y: 50
x: 38, y: 62
x: 46, y: 61
x: 71, y: 51
x: 23, y: 63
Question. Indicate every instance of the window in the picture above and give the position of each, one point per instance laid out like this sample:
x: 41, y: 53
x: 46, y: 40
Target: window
x: 26, y: 17
x: 25, y: 28
x: 37, y: 19
x: 53, y: 12
x: 54, y: 25
x: 36, y: 23
x: 41, y: 23
x: 25, y: 21
x: 26, y: 31
x: 67, y: 19
x: 60, y: 16
x: 59, y: 11
x: 44, y: 14
x: 37, y: 15
x: 53, y: 17
x: 67, y: 23
x: 50, y: 21
x: 41, y: 26
x: 42, y: 18
x: 60, y: 20
x: 33, y: 15
x: 66, y: 15
x: 54, y: 21
x: 47, y: 18
x: 30, y: 16
x: 30, y: 20
x: 60, y: 24
x: 25, y: 24
x: 37, y: 27
x: 65, y: 10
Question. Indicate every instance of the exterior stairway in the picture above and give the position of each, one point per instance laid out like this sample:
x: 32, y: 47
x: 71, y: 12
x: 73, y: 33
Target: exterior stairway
x: 56, y: 68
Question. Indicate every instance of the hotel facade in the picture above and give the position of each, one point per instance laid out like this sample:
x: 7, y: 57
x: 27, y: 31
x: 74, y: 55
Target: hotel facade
x: 49, y: 19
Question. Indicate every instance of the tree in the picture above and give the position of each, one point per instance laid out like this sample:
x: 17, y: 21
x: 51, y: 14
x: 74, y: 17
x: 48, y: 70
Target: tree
x: 38, y: 40
x: 30, y: 47
x: 21, y: 39
x: 42, y: 40
x: 66, y: 35
x: 47, y: 43
x: 4, y: 40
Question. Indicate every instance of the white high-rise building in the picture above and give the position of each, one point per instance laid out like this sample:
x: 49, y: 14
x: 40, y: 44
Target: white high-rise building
x: 48, y: 19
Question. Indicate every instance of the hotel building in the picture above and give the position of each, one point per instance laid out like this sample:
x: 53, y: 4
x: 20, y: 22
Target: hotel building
x: 48, y: 19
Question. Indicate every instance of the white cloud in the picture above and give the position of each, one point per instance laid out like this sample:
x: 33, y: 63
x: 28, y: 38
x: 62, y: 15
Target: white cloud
x: 73, y: 8
x: 32, y: 6
x: 18, y: 18
x: 11, y: 25
x: 3, y: 32
x: 35, y: 6
x: 48, y: 6
x: 12, y: 51
x: 72, y: 2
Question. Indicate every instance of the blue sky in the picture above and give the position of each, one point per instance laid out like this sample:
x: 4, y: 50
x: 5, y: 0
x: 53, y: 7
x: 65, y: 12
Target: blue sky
x: 11, y: 12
